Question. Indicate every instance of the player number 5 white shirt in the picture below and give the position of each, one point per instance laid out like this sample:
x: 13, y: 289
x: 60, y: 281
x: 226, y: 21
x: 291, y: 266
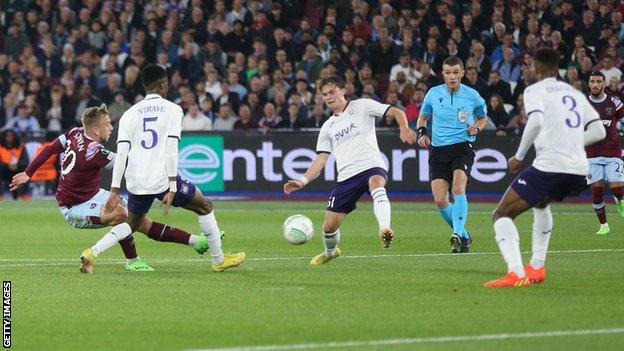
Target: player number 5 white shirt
x: 559, y: 146
x: 351, y: 137
x: 146, y: 126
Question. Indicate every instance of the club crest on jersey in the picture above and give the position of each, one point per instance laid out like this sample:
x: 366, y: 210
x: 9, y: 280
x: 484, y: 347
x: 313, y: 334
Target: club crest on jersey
x: 609, y: 111
x: 92, y: 205
x: 92, y: 150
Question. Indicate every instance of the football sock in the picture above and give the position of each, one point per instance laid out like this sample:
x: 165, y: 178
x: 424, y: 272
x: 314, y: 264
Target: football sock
x: 117, y: 233
x: 381, y: 207
x: 128, y: 247
x: 330, y: 241
x: 166, y: 233
x: 618, y: 192
x: 193, y: 240
x: 460, y: 212
x: 598, y: 203
x: 601, y: 212
x: 447, y: 214
x: 509, y: 244
x: 542, y: 228
x: 208, y: 225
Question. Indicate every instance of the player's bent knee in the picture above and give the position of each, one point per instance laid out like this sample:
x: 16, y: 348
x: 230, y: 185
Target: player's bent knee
x: 206, y: 207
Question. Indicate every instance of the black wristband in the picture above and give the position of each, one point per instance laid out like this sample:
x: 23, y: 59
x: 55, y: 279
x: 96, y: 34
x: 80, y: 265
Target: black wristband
x: 422, y: 131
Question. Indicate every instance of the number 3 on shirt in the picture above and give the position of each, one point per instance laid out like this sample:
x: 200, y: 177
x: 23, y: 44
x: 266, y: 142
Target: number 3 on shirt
x: 151, y: 131
x: 572, y: 123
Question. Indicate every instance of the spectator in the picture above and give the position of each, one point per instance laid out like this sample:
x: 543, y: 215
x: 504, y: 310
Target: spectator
x: 117, y: 108
x: 224, y: 121
x: 24, y: 122
x: 293, y: 121
x: 508, y: 68
x: 412, y: 110
x: 473, y: 80
x: 318, y: 117
x: 498, y: 86
x: 8, y: 108
x: 16, y: 41
x: 245, y: 122
x: 518, y: 117
x: 13, y: 160
x: 609, y: 70
x: 311, y: 63
x: 270, y: 119
x: 195, y: 120
x: 497, y: 115
x: 404, y: 66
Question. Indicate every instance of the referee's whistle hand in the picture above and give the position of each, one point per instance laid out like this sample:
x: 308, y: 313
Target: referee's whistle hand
x: 424, y: 141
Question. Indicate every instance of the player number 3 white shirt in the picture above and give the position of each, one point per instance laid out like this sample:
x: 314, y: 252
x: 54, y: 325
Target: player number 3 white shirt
x: 146, y: 126
x: 559, y: 146
x: 350, y: 136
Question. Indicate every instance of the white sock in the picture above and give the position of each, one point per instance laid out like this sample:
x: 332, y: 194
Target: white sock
x: 381, y: 207
x: 509, y: 244
x: 542, y: 228
x: 194, y: 239
x: 330, y: 241
x: 117, y: 233
x: 208, y: 225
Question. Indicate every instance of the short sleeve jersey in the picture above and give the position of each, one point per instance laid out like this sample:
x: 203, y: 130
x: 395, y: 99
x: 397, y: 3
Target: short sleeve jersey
x: 351, y: 137
x: 566, y: 112
x: 452, y: 113
x: 611, y: 110
x: 81, y: 167
x: 146, y: 126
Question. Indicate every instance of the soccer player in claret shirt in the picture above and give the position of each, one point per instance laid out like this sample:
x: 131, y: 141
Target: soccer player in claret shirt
x: 350, y: 136
x: 605, y: 162
x: 79, y: 196
x: 561, y: 123
x: 148, y: 138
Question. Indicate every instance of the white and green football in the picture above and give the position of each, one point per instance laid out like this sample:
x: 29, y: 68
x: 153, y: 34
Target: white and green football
x: 298, y: 229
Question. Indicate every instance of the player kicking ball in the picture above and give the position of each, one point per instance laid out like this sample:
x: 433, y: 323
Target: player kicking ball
x: 350, y: 135
x: 561, y: 123
x: 81, y: 200
x: 605, y: 162
x: 148, y: 138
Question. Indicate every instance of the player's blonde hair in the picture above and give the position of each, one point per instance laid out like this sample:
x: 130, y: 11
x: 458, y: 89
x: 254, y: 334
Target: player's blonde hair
x: 93, y: 114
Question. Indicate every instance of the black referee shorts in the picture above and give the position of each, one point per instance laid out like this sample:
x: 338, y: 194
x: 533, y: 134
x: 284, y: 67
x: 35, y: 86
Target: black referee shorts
x: 444, y: 160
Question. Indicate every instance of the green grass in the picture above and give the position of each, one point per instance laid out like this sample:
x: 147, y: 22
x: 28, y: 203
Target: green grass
x: 277, y: 298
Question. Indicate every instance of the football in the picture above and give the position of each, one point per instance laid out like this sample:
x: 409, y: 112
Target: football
x: 298, y: 229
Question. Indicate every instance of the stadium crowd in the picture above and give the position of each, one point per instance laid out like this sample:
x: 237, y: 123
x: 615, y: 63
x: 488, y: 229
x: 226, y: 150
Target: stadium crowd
x: 255, y: 64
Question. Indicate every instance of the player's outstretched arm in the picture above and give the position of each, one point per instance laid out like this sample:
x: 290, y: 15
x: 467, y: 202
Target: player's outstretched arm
x: 407, y: 134
x: 22, y: 178
x: 594, y: 132
x: 313, y: 171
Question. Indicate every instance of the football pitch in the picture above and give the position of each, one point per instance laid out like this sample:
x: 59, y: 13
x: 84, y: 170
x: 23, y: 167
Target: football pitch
x: 414, y: 296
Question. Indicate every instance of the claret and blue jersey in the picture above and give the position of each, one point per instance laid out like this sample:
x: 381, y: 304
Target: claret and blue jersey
x: 452, y: 113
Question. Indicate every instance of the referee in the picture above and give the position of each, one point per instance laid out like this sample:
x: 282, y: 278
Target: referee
x: 459, y: 114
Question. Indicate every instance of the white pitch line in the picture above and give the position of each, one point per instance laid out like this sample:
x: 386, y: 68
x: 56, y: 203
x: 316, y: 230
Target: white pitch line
x: 31, y: 262
x: 423, y: 340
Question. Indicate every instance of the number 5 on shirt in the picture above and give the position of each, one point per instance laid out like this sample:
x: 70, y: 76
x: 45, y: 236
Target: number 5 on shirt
x: 151, y: 131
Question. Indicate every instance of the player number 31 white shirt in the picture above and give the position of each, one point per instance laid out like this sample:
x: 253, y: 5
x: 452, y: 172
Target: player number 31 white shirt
x: 350, y: 136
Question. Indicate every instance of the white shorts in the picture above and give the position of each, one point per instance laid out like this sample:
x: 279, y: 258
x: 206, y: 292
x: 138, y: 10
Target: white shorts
x: 87, y: 214
x: 608, y: 169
